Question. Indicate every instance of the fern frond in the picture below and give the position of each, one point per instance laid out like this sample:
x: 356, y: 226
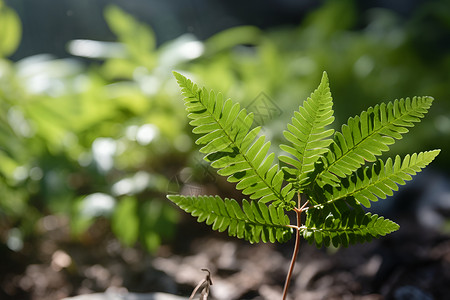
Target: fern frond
x: 350, y: 228
x: 328, y: 174
x: 368, y: 135
x: 253, y: 222
x: 307, y: 132
x: 232, y: 146
x: 380, y: 180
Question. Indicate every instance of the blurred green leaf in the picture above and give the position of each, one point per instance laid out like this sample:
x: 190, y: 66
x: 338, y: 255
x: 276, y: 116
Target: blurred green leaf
x: 138, y: 38
x: 158, y: 220
x: 125, y: 222
x: 229, y: 38
x: 10, y: 30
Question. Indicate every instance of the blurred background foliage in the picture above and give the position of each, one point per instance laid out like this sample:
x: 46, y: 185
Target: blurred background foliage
x: 99, y: 135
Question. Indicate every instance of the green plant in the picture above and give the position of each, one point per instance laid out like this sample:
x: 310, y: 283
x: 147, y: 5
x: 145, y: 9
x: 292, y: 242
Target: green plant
x: 328, y: 175
x: 51, y: 159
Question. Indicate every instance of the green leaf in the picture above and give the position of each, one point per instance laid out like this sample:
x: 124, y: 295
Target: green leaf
x: 125, y: 221
x: 378, y: 181
x: 307, y: 133
x: 10, y: 31
x: 138, y: 39
x: 231, y: 145
x: 350, y: 228
x: 157, y: 220
x: 368, y: 135
x: 253, y: 222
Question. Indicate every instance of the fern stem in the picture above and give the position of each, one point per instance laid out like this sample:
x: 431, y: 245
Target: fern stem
x: 298, y: 210
x: 291, y: 267
x: 293, y: 227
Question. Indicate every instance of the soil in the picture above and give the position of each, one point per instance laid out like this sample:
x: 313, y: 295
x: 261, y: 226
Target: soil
x: 412, y: 263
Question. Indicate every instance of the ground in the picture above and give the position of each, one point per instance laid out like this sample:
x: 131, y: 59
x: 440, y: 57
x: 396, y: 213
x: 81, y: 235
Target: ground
x: 412, y: 263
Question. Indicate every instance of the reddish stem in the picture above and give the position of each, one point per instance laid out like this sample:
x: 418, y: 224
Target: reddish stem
x: 298, y: 211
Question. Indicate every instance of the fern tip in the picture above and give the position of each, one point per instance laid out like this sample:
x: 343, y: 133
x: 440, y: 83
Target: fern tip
x: 437, y: 151
x: 324, y: 77
x: 177, y: 75
x: 324, y: 81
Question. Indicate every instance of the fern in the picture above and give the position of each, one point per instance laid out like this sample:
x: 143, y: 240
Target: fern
x: 328, y: 176
x: 255, y: 221
x: 350, y: 228
x: 232, y: 146
x: 307, y: 132
x: 368, y: 135
x: 379, y: 180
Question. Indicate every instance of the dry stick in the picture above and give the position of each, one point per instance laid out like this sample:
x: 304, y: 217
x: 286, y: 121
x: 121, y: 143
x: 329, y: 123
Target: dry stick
x: 298, y: 212
x: 204, y: 285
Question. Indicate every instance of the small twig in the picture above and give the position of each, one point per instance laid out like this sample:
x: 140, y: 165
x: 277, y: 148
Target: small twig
x: 204, y: 286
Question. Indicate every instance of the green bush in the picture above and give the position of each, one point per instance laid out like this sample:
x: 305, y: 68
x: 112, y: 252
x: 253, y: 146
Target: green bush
x: 89, y: 143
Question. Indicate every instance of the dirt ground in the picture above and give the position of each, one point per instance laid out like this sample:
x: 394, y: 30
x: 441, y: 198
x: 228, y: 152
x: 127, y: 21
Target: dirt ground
x: 412, y: 263
x: 406, y: 265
